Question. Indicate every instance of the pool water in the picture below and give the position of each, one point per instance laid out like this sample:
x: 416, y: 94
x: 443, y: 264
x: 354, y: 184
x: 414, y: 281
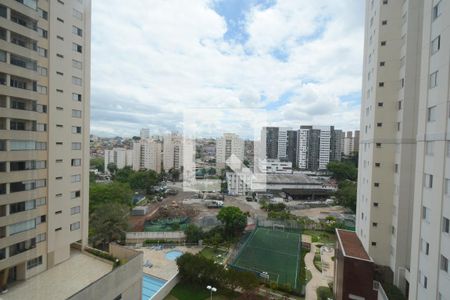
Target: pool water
x: 150, y: 286
x: 173, y: 254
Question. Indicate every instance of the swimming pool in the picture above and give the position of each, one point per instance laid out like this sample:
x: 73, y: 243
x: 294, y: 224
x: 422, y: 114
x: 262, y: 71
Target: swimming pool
x: 173, y: 254
x: 150, y: 286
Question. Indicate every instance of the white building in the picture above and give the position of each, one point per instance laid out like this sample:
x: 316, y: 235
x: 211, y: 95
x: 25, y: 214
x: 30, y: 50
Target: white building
x: 282, y: 142
x: 348, y: 143
x: 229, y: 144
x: 172, y: 152
x: 404, y: 166
x: 324, y: 146
x: 302, y: 150
x: 275, y: 166
x: 145, y: 133
x: 120, y: 157
x: 147, y: 155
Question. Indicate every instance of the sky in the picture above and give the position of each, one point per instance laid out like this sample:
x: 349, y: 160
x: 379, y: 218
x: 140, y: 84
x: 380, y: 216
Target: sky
x: 156, y: 63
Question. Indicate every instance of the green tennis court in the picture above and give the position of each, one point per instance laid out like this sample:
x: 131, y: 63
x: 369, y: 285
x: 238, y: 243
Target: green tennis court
x: 276, y: 252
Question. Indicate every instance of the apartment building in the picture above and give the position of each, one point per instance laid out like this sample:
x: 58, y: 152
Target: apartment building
x: 172, y: 152
x: 226, y: 146
x: 269, y: 142
x: 404, y: 149
x: 121, y: 157
x: 44, y: 133
x: 147, y: 155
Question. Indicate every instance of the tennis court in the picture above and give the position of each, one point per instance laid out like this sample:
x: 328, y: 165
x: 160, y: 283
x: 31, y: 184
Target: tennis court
x: 276, y: 252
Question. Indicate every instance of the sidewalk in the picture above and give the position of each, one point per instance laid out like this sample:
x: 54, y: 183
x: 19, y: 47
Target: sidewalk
x: 317, y: 279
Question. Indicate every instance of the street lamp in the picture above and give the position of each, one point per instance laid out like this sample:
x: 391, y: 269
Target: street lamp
x: 211, y: 289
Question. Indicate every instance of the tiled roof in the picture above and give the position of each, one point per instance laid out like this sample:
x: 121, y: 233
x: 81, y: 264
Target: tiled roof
x: 351, y: 245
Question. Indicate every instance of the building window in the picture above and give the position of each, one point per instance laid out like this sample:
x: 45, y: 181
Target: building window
x: 429, y: 147
x: 76, y: 113
x: 445, y: 225
x: 379, y: 124
x: 75, y: 210
x: 381, y: 84
x: 383, y: 43
x: 43, y: 33
x: 76, y: 162
x: 75, y: 194
x: 433, y: 79
x: 444, y: 263
x: 384, y: 22
x: 378, y: 145
x: 42, y: 71
x: 76, y: 178
x: 382, y: 63
x: 41, y: 237
x: 76, y: 146
x: 22, y: 226
x: 435, y: 45
x: 428, y: 181
x: 374, y: 243
x: 75, y: 226
x: 34, y: 262
x: 77, y: 14
x: 60, y: 20
x: 447, y: 186
x: 76, y: 129
x: 76, y: 97
x: 375, y: 204
x: 76, y: 80
x: 77, y: 31
x: 76, y: 64
x: 431, y: 114
x: 376, y: 184
x: 380, y: 104
x: 77, y: 48
x: 377, y: 165
x: 426, y: 214
x: 374, y: 224
x: 436, y: 11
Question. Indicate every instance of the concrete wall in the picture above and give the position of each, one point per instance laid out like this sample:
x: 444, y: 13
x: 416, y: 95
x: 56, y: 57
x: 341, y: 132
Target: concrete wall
x: 125, y: 280
x: 167, y: 287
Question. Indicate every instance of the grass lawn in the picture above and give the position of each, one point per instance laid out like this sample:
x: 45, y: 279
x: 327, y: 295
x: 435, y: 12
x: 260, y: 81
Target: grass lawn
x: 184, y: 291
x: 321, y: 236
x: 317, y: 262
x: 212, y: 254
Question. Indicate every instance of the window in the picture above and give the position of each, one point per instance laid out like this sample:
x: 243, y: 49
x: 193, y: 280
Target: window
x: 431, y: 114
x: 75, y: 210
x: 58, y: 212
x: 58, y: 229
x: 41, y: 201
x: 436, y: 11
x: 379, y: 124
x: 61, y: 2
x: 377, y: 165
x: 76, y: 146
x: 2, y: 56
x: 21, y: 145
x: 399, y: 105
x: 374, y: 224
x: 429, y: 148
x: 60, y: 37
x: 59, y: 55
x: 76, y: 80
x: 384, y: 22
x: 380, y: 104
x: 42, y: 71
x: 396, y: 168
x: 22, y: 226
x: 76, y: 97
x: 428, y: 181
x: 383, y: 43
x: 60, y: 20
x: 59, y: 91
x: 22, y: 206
x: 433, y: 79
x: 34, y: 262
x: 374, y: 243
x: 426, y: 214
x: 76, y: 178
x: 22, y: 247
x: 75, y: 226
x: 381, y: 84
x: 77, y: 48
x: 41, y: 237
x: 77, y: 14
x: 76, y: 113
x: 445, y: 225
x: 444, y: 263
x: 385, y: 2
x: 76, y: 129
x: 447, y: 186
x: 75, y: 194
x: 77, y: 31
x: 60, y: 73
x: 435, y: 45
x: 376, y: 184
x: 43, y: 33
x: 76, y: 64
x: 42, y: 89
x: 42, y: 51
x: 76, y: 162
x: 378, y: 145
x: 425, y: 282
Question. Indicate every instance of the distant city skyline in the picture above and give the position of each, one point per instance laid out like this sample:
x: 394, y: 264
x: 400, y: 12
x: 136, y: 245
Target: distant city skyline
x: 300, y: 61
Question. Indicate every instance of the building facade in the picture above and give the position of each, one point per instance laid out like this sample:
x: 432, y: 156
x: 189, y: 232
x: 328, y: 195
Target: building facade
x: 121, y: 157
x: 269, y: 140
x: 44, y: 133
x: 147, y: 155
x: 172, y: 152
x: 403, y: 147
x: 226, y: 146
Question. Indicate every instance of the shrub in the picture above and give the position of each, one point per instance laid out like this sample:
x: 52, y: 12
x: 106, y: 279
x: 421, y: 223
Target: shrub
x: 323, y: 293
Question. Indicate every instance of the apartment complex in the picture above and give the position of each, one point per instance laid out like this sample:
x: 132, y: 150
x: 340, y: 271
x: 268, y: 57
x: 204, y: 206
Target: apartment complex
x: 226, y: 146
x: 44, y: 133
x: 350, y: 143
x: 172, y: 152
x: 121, y: 157
x: 404, y: 150
x: 147, y: 155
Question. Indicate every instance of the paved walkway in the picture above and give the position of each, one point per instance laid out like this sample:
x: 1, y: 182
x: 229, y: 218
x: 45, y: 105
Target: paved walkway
x: 317, y: 279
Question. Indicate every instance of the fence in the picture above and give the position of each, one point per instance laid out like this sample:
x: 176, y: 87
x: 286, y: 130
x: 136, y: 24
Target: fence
x: 141, y: 237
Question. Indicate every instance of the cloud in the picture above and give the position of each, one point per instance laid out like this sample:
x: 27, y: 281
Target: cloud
x: 152, y: 62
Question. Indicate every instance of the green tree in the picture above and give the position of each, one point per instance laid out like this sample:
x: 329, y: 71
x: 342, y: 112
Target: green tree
x: 107, y: 223
x: 346, y: 194
x: 233, y: 220
x: 144, y: 180
x: 98, y: 164
x: 114, y: 192
x: 193, y: 233
x: 342, y: 171
x: 124, y: 175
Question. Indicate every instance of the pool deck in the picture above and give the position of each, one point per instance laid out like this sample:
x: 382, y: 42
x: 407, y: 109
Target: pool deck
x: 162, y: 267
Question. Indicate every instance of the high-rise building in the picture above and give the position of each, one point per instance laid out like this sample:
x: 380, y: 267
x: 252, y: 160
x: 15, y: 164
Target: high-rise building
x: 291, y: 148
x: 145, y: 133
x: 44, y: 133
x: 172, y: 152
x: 336, y: 145
x: 226, y: 146
x: 147, y: 155
x: 282, y: 143
x: 402, y: 211
x: 269, y: 140
x: 348, y: 143
x: 121, y: 157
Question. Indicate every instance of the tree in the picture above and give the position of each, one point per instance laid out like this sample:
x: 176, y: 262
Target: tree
x: 123, y: 175
x: 193, y: 233
x: 233, y: 219
x: 342, y: 171
x: 114, y: 192
x: 112, y: 168
x: 346, y: 194
x: 144, y: 180
x: 98, y: 164
x: 107, y: 223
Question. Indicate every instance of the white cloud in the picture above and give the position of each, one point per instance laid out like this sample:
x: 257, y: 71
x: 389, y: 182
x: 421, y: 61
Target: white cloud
x: 155, y: 59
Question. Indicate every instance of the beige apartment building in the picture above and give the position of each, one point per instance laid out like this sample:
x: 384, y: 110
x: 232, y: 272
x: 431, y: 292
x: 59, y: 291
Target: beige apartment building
x: 403, y: 209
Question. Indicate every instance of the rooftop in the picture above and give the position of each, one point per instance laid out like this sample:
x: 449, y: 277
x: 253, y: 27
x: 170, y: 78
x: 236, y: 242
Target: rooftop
x: 351, y: 245
x: 295, y: 178
x: 61, y: 281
